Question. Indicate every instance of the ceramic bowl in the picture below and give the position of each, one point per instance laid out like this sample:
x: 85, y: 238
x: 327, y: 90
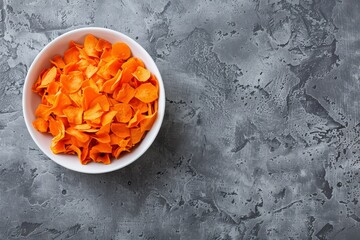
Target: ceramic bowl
x: 31, y: 99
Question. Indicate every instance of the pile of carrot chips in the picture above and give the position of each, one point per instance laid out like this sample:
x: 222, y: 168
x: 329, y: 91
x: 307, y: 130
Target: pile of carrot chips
x: 97, y: 101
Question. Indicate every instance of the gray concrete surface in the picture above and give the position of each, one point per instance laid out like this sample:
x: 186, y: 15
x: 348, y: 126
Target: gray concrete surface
x: 260, y: 138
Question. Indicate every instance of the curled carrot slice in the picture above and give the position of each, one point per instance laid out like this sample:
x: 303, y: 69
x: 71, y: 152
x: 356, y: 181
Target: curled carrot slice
x: 74, y: 114
x: 121, y: 50
x: 41, y: 125
x: 146, y: 93
x: 141, y: 74
x: 120, y: 130
x: 49, y: 77
x: 90, y: 46
x: 123, y: 112
x: 58, y: 62
x: 71, y: 55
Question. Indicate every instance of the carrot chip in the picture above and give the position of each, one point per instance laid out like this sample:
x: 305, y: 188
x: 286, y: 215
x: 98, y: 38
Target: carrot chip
x: 41, y: 125
x: 141, y: 74
x: 121, y: 50
x: 146, y: 93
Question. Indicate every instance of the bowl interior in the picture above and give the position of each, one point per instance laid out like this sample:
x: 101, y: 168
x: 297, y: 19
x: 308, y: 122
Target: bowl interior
x: 31, y: 100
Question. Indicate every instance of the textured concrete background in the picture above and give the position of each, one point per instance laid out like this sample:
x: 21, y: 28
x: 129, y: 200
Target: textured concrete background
x: 260, y: 138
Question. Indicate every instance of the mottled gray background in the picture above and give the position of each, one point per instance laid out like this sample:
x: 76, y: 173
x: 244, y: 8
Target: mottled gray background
x: 260, y: 138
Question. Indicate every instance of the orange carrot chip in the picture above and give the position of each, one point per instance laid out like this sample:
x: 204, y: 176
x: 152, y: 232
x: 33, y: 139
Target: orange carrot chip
x: 102, y: 44
x: 53, y: 88
x: 110, y: 85
x: 103, y: 102
x: 102, y: 137
x: 43, y: 111
x: 49, y: 77
x: 41, y: 125
x: 108, y: 117
x: 90, y: 46
x: 123, y: 112
x: 61, y: 102
x: 73, y: 114
x: 57, y: 147
x: 125, y: 94
x: 146, y: 93
x: 141, y: 74
x: 131, y: 63
x: 80, y: 136
x: 138, y: 105
x: 90, y: 71
x: 71, y: 55
x: 120, y: 130
x: 74, y: 148
x: 114, y: 139
x: 93, y: 112
x: 89, y: 95
x: 136, y: 135
x: 147, y: 122
x: 136, y: 119
x: 116, y: 153
x: 73, y: 66
x: 75, y: 44
x: 58, y: 62
x: 71, y: 83
x: 121, y: 50
x: 77, y: 98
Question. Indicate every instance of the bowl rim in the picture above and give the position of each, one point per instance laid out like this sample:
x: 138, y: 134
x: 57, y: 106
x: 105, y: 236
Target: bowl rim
x: 161, y: 104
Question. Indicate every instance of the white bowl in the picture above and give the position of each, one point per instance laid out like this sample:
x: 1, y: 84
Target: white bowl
x: 31, y: 99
